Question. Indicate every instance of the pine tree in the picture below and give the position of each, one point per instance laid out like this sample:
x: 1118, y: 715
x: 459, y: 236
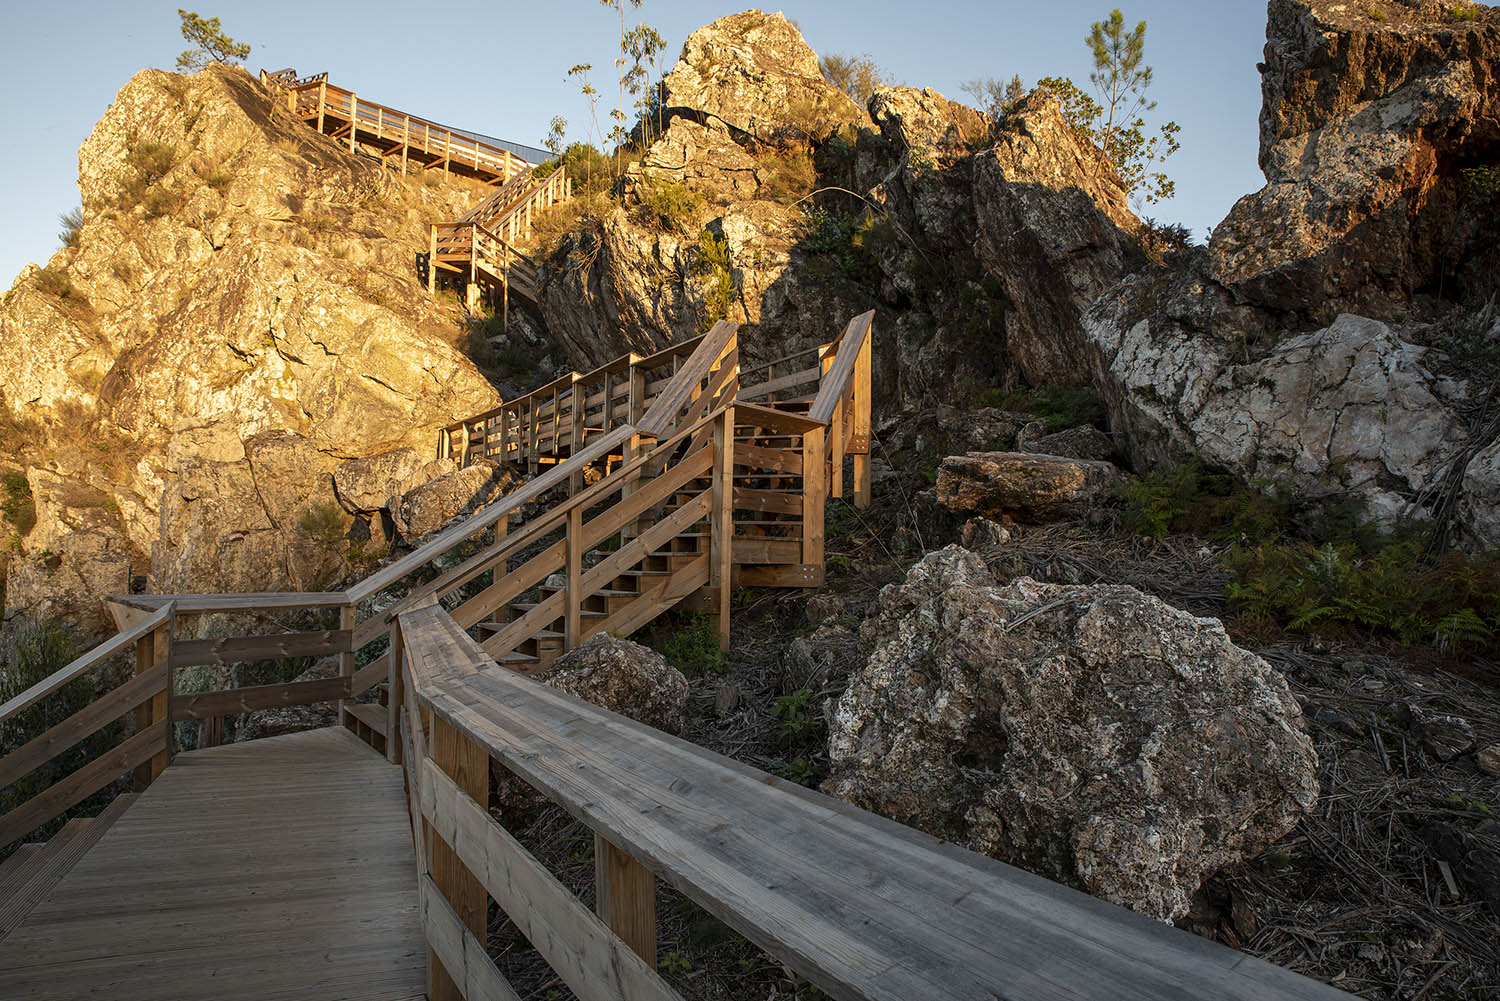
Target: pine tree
x: 210, y: 44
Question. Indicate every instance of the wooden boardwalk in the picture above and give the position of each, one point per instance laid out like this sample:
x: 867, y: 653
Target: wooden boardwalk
x: 280, y: 868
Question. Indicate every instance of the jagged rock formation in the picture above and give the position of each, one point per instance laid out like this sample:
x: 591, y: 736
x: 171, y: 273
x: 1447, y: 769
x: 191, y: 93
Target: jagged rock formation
x: 983, y: 260
x: 1368, y: 131
x: 239, y: 315
x: 1026, y: 486
x: 1067, y: 729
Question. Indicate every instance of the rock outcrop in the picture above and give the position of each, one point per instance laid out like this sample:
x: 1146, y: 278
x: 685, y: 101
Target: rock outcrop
x: 1094, y: 735
x: 624, y: 677
x: 239, y: 314
x: 983, y: 247
x: 1349, y: 411
x: 1369, y: 135
x: 1025, y: 486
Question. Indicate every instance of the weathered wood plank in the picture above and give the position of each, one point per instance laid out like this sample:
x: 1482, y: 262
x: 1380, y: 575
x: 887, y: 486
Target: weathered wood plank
x: 207, y: 705
x: 235, y: 649
x: 663, y: 413
x: 591, y: 960
x: 81, y: 784
x: 842, y: 370
x: 84, y: 723
x: 474, y: 974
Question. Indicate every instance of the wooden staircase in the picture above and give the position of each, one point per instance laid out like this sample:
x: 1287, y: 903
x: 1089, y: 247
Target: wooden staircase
x: 480, y: 248
x: 35, y: 868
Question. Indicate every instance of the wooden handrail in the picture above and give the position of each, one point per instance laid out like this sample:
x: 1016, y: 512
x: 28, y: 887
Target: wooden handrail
x: 663, y: 413
x: 86, y: 662
x: 839, y: 375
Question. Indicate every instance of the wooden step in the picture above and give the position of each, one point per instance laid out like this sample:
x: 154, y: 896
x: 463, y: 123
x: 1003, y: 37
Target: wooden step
x: 12, y: 865
x: 526, y: 606
x: 370, y: 714
x: 515, y: 660
x: 56, y: 860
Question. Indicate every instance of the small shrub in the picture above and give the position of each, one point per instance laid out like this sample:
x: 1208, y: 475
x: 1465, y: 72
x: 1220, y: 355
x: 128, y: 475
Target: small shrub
x: 1061, y: 407
x: 16, y: 502
x: 787, y: 177
x: 1463, y: 11
x: 713, y: 261
x: 668, y: 206
x: 55, y: 283
x: 1190, y: 497
x: 798, y: 720
x: 152, y: 161
x: 72, y: 228
x: 162, y: 201
x: 694, y: 649
x: 214, y: 174
x: 324, y: 523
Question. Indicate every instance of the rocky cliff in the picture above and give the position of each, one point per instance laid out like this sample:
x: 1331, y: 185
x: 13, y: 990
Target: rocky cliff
x: 772, y: 198
x: 237, y: 315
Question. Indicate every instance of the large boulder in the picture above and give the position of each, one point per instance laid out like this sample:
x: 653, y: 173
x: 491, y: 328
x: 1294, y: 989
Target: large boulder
x: 1025, y: 486
x: 926, y: 124
x: 1352, y: 410
x: 623, y: 677
x: 432, y: 504
x: 1095, y: 735
x: 1367, y: 129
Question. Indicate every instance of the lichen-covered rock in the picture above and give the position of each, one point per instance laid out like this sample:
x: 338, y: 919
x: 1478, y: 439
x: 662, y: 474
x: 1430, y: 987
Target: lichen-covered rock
x: 236, y: 275
x: 623, y: 677
x: 981, y: 533
x: 1084, y: 442
x: 1094, y: 735
x: 429, y: 506
x: 1366, y: 129
x: 1351, y: 410
x: 1479, y: 501
x: 926, y: 123
x: 1027, y: 487
x: 373, y: 482
x: 754, y: 73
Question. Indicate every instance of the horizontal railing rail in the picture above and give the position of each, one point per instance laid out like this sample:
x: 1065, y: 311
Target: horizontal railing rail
x: 862, y: 907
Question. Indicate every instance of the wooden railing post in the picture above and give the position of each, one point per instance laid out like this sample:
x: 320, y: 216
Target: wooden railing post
x: 322, y: 102
x: 814, y: 495
x: 580, y: 395
x: 353, y: 119
x: 346, y: 659
x: 395, y: 696
x: 721, y: 559
x: 627, y: 898
x: 573, y: 616
x: 859, y: 443
x: 152, y: 651
x: 432, y: 261
x: 468, y: 766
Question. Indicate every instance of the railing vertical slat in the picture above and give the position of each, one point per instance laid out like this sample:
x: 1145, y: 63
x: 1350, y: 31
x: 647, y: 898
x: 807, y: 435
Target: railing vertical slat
x: 572, y: 618
x: 468, y: 766
x: 721, y: 560
x: 814, y: 495
x: 626, y: 898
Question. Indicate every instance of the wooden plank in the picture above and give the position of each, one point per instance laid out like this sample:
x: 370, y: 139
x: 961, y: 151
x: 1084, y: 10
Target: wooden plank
x: 755, y: 415
x: 84, y: 723
x: 764, y: 389
x: 763, y: 551
x: 467, y: 765
x: 83, y: 663
x: 626, y: 893
x: 250, y: 601
x: 663, y: 413
x: 723, y: 543
x: 842, y: 370
x: 370, y: 675
x: 798, y: 575
x: 236, y: 649
x: 573, y: 595
x: 775, y: 459
x: 371, y: 714
x: 843, y: 897
x: 207, y: 705
x: 814, y: 496
x: 767, y: 501
x: 125, y: 615
x: 80, y: 785
x: 578, y: 946
x: 475, y: 976
x: 456, y: 533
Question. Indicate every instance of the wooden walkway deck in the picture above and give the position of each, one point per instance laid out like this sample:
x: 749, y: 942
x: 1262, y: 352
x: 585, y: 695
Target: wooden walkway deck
x: 280, y: 868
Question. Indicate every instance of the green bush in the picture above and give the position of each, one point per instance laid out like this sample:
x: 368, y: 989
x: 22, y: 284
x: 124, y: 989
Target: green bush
x: 694, y: 649
x: 56, y: 283
x: 799, y: 720
x: 1451, y: 603
x: 1190, y: 497
x: 592, y: 171
x: 787, y: 177
x: 152, y: 161
x: 16, y: 502
x: 668, y: 205
x: 713, y: 261
x: 1061, y: 407
x: 326, y: 524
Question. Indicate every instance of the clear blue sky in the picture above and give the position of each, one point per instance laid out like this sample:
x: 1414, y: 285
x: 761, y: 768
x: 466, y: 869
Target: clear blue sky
x: 500, y: 69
